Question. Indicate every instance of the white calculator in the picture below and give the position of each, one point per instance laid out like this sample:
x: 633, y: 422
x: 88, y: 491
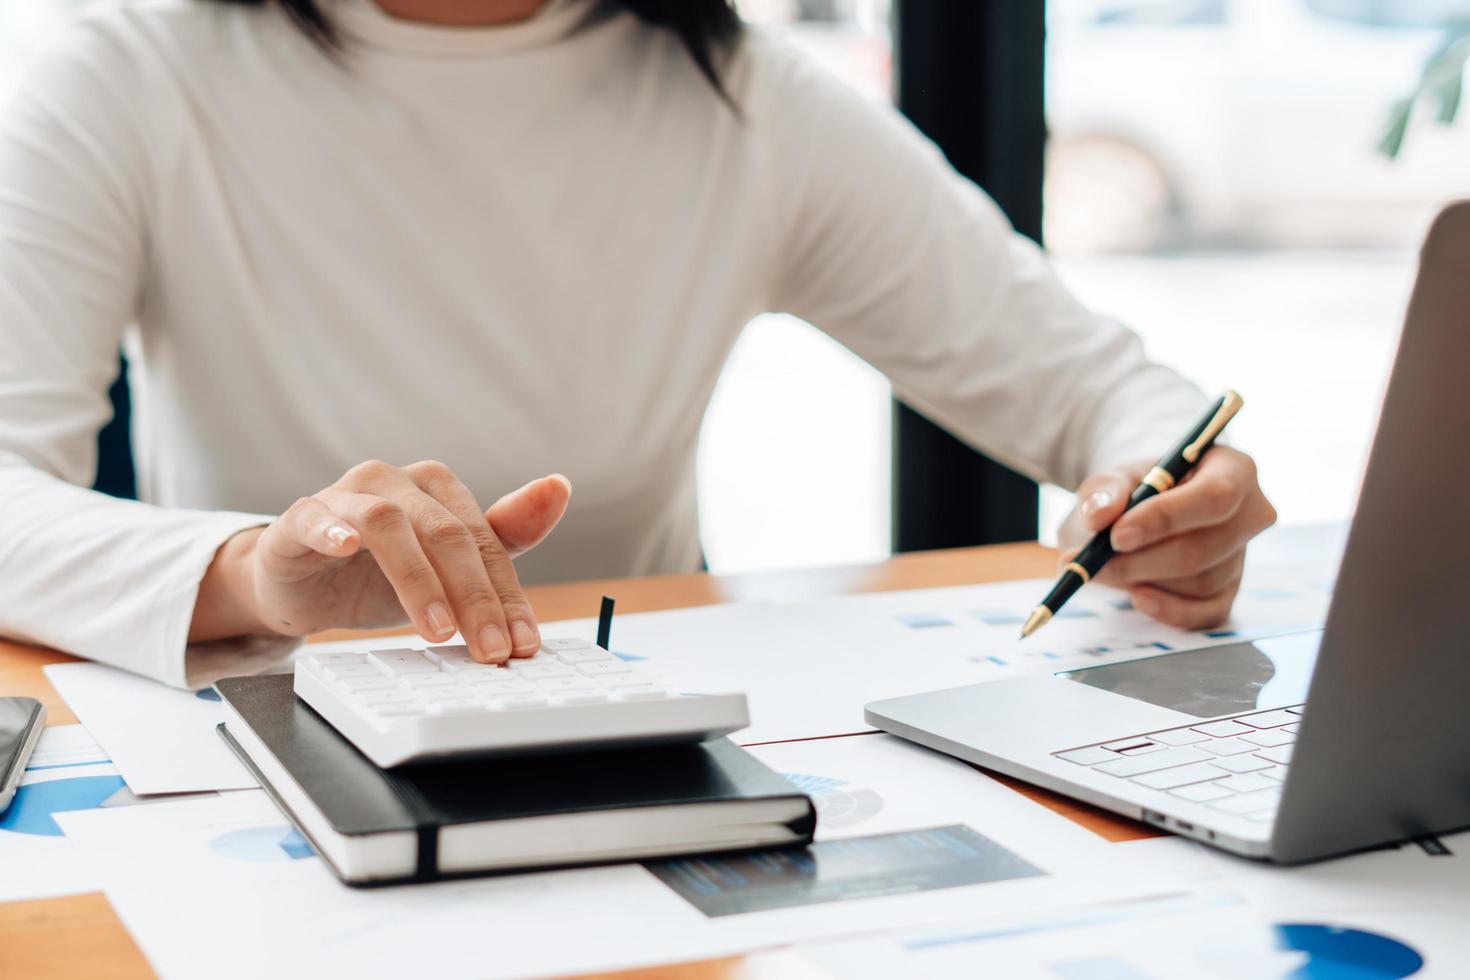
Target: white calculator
x: 404, y: 705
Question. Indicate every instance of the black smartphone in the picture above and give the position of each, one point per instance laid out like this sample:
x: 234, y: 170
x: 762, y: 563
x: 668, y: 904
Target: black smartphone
x: 20, y: 728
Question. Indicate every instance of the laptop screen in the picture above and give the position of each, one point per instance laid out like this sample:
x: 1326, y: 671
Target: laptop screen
x: 1272, y: 672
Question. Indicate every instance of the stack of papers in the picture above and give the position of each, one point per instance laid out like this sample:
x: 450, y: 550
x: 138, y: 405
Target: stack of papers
x: 923, y: 865
x: 914, y: 836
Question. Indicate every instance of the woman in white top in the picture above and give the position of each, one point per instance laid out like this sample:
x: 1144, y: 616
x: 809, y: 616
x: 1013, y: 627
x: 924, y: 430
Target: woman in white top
x: 514, y: 237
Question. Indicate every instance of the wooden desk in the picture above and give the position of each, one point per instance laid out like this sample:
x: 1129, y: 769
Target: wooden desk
x: 80, y: 936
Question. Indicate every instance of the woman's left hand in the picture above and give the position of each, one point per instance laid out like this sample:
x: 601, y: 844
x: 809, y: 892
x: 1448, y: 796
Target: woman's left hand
x: 1181, y: 553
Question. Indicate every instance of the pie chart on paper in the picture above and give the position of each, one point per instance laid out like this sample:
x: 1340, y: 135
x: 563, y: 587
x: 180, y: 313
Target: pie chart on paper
x: 262, y: 844
x: 839, y: 804
x: 1304, y: 951
x: 33, y: 809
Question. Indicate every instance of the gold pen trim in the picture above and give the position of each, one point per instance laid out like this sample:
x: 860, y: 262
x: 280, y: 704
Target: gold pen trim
x: 1228, y: 407
x: 1081, y: 572
x: 1039, y: 617
x: 1159, y: 478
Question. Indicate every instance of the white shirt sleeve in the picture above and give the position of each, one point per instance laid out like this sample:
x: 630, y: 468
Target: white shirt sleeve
x: 88, y: 574
x: 885, y: 247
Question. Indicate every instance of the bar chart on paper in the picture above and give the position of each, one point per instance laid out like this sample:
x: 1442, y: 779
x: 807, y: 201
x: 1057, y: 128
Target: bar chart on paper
x: 838, y: 870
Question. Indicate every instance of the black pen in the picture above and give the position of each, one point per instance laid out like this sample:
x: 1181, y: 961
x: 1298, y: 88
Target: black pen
x: 1169, y: 471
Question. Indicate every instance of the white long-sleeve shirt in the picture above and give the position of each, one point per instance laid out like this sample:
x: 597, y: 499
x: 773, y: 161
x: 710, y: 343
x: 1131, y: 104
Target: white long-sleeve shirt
x: 518, y: 250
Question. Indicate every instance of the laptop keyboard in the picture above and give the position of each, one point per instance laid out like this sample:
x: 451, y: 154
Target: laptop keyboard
x: 1236, y: 765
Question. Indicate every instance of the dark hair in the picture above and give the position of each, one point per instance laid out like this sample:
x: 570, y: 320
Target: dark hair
x: 706, y: 27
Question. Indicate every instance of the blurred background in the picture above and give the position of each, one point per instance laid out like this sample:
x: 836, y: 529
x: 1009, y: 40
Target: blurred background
x: 1214, y: 179
x: 1218, y: 176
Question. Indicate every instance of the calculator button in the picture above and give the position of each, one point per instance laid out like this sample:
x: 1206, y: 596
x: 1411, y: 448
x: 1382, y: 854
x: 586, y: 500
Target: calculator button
x: 395, y: 696
x: 539, y: 660
x: 518, y: 701
x: 375, y: 683
x: 584, y: 696
x: 541, y: 672
x: 474, y: 668
x: 498, y: 679
x: 335, y: 659
x: 456, y: 654
x: 448, y: 693
x: 401, y: 662
x: 553, y: 644
x: 599, y: 669
x: 612, y: 682
x: 435, y: 679
x: 583, y: 655
x: 339, y: 672
x: 560, y: 685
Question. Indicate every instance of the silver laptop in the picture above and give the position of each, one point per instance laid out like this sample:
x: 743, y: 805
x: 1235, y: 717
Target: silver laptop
x: 1304, y: 745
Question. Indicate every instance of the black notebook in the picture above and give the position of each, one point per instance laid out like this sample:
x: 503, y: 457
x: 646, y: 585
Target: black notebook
x: 484, y: 815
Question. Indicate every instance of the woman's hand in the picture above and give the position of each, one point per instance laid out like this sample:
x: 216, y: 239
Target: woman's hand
x: 381, y: 546
x: 1181, y: 553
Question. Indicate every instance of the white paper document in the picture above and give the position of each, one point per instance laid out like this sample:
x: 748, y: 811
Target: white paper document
x: 190, y: 879
x: 162, y: 740
x: 67, y: 771
x: 1398, y: 876
x: 1212, y: 935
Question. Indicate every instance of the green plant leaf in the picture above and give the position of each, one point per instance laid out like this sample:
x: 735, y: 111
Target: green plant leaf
x: 1447, y: 95
x: 1392, y: 141
x: 1442, y: 83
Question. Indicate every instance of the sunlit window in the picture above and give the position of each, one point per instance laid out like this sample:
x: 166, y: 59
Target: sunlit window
x: 1222, y: 189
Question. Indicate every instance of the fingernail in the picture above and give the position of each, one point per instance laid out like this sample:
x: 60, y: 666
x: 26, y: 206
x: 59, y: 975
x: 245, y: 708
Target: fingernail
x: 439, y: 619
x: 1096, y: 501
x: 1127, y: 537
x: 492, y: 643
x: 524, y: 636
x: 337, y: 535
x: 1146, y: 604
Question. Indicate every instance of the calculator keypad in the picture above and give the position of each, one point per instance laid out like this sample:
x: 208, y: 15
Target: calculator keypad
x: 401, y: 683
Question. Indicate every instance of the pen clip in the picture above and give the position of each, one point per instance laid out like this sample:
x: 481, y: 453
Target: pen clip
x: 1229, y: 405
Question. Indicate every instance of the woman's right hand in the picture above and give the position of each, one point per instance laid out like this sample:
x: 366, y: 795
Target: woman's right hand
x: 382, y: 546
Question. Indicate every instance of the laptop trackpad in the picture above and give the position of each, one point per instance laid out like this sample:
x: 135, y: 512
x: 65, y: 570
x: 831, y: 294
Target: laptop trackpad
x: 1267, y: 673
